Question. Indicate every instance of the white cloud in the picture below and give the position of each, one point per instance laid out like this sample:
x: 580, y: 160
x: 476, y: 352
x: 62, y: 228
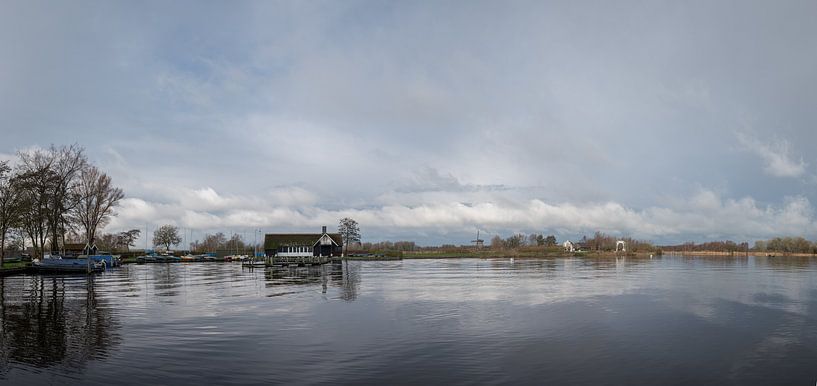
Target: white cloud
x: 704, y: 215
x: 776, y: 155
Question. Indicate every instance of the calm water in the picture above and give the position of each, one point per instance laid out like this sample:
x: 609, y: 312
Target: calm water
x: 561, y: 321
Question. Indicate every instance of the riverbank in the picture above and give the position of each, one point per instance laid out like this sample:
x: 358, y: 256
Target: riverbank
x: 14, y: 268
x: 492, y: 254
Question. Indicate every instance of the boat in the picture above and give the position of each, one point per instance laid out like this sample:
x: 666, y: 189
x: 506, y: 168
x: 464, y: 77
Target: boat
x: 109, y: 259
x: 168, y: 259
x: 146, y: 259
x: 189, y: 258
x: 158, y: 259
x: 57, y: 264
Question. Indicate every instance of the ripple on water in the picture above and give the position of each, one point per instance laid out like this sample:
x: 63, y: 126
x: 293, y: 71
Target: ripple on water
x: 564, y: 320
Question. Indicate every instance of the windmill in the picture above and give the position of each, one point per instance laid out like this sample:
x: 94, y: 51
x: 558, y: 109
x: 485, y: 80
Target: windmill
x: 478, y: 243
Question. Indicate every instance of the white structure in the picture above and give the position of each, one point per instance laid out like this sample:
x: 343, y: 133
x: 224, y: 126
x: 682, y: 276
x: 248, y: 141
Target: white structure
x: 569, y: 246
x: 621, y: 244
x: 296, y: 251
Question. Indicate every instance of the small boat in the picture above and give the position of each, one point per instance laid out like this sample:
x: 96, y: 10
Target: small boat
x: 110, y: 260
x: 59, y: 265
x: 168, y: 259
x: 146, y: 259
x: 158, y: 259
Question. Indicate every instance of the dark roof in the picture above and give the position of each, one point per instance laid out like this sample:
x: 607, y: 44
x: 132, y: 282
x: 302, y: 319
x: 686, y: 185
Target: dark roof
x: 70, y: 247
x: 273, y: 240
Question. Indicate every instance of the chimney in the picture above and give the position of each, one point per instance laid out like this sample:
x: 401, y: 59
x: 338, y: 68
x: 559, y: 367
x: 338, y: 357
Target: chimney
x: 324, y: 229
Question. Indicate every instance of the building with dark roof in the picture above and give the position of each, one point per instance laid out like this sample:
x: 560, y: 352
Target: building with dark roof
x: 303, y: 244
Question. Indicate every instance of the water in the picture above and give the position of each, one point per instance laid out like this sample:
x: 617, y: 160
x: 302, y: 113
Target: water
x: 671, y: 320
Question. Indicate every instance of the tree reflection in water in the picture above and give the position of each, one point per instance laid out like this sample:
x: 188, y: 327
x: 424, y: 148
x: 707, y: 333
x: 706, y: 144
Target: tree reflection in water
x: 50, y: 321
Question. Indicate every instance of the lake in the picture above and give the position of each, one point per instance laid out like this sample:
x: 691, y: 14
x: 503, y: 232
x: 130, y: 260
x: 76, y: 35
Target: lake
x: 670, y: 320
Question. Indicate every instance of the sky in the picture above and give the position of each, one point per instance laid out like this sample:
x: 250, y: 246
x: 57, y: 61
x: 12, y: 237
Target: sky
x: 425, y: 121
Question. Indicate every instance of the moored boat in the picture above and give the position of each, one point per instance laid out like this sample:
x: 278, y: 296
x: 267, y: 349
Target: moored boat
x: 77, y: 265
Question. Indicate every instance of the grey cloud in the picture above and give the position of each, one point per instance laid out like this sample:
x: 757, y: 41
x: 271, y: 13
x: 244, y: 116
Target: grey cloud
x: 426, y: 109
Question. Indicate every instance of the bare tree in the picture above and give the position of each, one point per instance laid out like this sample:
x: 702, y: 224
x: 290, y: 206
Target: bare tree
x: 34, y: 179
x: 497, y: 242
x: 349, y: 232
x: 50, y: 178
x: 10, y: 206
x: 69, y: 161
x: 167, y: 235
x: 96, y: 200
x: 212, y: 242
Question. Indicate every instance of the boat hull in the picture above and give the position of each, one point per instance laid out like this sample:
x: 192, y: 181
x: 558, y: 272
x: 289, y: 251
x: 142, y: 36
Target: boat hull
x: 82, y: 265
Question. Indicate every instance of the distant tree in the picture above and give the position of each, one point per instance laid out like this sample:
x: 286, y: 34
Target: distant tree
x: 550, y: 240
x: 497, y: 242
x: 128, y: 238
x: 107, y: 241
x: 349, y: 232
x: 515, y: 241
x: 235, y: 243
x: 166, y: 235
x: 97, y: 198
x: 533, y: 239
x: 213, y: 242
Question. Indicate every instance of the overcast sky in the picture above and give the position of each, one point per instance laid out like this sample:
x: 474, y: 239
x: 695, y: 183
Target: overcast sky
x: 666, y: 121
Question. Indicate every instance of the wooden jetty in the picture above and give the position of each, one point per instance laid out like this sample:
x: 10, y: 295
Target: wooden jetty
x: 297, y: 260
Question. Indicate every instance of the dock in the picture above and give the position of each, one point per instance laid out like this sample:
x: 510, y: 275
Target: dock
x: 297, y: 260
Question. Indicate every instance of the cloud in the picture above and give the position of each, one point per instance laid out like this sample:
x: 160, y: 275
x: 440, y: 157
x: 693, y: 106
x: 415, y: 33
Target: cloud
x: 560, y: 116
x: 776, y: 155
x: 705, y: 214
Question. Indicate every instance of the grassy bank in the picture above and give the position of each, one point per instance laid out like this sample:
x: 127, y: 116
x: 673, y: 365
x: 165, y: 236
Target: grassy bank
x: 520, y: 254
x: 14, y: 265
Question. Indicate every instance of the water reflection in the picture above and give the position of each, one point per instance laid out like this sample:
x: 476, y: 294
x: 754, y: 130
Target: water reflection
x: 742, y: 320
x: 345, y: 276
x: 53, y: 321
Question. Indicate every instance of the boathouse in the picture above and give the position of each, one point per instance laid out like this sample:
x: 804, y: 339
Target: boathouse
x: 303, y: 244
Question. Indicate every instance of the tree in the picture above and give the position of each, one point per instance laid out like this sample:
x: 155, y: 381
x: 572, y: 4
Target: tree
x: 10, y: 206
x: 97, y: 198
x: 34, y: 179
x: 50, y: 177
x: 497, y: 242
x: 515, y: 241
x: 167, y: 235
x: 236, y: 243
x: 212, y: 243
x: 128, y: 238
x: 349, y: 232
x: 550, y: 240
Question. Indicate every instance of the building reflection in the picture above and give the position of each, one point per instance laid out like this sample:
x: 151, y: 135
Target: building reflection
x: 53, y: 321
x: 345, y: 277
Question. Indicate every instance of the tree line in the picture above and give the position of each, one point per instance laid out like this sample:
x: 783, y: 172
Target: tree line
x: 711, y: 246
x: 48, y: 196
x: 519, y: 240
x: 786, y: 245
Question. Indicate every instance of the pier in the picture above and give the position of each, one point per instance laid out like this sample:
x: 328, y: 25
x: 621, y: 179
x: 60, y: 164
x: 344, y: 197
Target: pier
x: 297, y: 260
